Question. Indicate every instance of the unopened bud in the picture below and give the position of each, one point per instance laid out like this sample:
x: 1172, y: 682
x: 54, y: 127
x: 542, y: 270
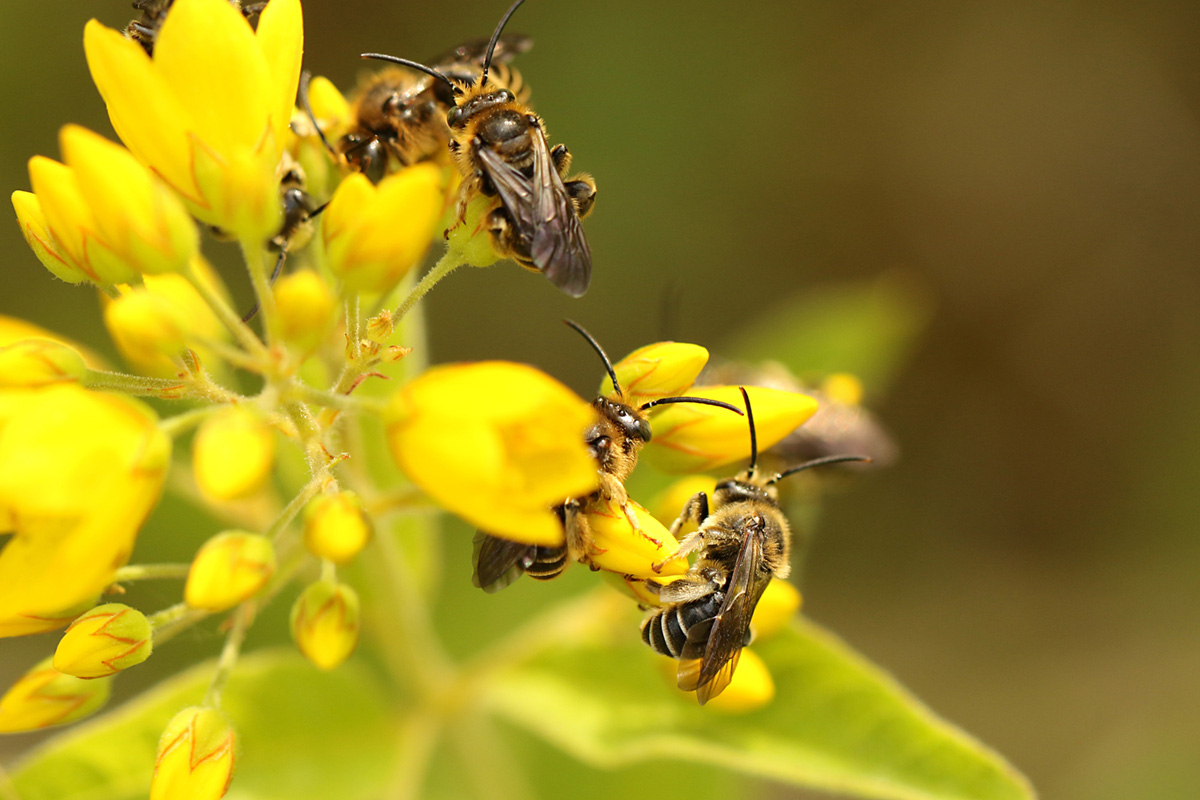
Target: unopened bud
x: 146, y: 326
x: 336, y: 527
x: 194, y: 760
x: 230, y: 568
x: 305, y: 306
x: 662, y: 369
x: 325, y: 623
x: 104, y: 641
x: 233, y: 453
x: 43, y: 697
x: 39, y: 362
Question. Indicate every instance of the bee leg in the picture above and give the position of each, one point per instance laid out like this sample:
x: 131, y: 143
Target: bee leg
x: 578, y: 533
x: 561, y: 158
x: 582, y: 191
x: 613, y: 489
x: 695, y: 510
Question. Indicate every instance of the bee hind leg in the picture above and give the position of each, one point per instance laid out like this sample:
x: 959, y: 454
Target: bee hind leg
x: 582, y: 191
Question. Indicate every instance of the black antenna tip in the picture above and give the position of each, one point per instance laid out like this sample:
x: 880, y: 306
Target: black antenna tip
x: 612, y: 373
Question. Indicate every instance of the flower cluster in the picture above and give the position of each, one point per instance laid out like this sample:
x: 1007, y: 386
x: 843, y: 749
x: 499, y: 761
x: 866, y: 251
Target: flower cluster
x: 213, y: 145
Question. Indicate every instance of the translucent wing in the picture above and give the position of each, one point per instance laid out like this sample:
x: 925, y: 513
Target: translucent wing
x: 543, y: 215
x: 711, y: 653
x: 498, y: 562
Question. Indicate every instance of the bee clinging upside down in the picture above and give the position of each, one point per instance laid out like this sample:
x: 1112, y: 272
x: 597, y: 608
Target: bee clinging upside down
x: 613, y: 440
x: 742, y: 542
x: 499, y: 146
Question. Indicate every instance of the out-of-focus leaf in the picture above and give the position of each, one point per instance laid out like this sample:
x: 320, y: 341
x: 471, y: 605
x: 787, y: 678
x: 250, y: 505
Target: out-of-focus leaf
x: 866, y: 328
x: 838, y: 723
x: 302, y: 734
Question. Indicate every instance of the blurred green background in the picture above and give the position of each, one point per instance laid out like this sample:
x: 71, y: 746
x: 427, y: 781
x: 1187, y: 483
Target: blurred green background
x: 1027, y: 172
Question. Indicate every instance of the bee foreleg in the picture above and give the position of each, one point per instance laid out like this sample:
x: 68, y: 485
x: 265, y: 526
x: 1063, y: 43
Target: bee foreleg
x: 694, y: 510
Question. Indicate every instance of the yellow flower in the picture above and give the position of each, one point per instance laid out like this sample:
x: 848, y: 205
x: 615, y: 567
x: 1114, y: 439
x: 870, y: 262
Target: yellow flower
x: 43, y: 696
x: 149, y: 329
x: 306, y: 309
x: 230, y: 568
x: 105, y: 213
x: 336, y: 527
x: 79, y: 472
x: 104, y: 641
x: 146, y: 327
x: 778, y: 604
x: 209, y: 113
x: 373, y: 235
x: 497, y: 443
x: 36, y: 231
x: 39, y: 362
x: 698, y: 438
x: 325, y: 623
x: 195, y: 757
x: 233, y: 453
x: 664, y: 369
x: 618, y: 547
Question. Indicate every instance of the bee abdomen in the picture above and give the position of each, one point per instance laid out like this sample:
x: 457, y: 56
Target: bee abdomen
x: 545, y: 563
x: 666, y: 630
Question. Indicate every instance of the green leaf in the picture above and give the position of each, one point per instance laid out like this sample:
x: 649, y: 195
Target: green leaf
x: 302, y: 734
x: 837, y: 722
x: 864, y: 328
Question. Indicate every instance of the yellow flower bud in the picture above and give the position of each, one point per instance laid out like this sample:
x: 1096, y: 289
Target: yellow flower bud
x: 39, y: 362
x: 146, y: 327
x: 645, y: 592
x: 72, y: 223
x: 471, y: 240
x: 40, y: 239
x: 696, y: 438
x: 306, y: 307
x: 230, y: 568
x: 778, y: 604
x: 750, y: 689
x: 618, y: 547
x: 104, y: 641
x: 844, y: 388
x: 43, y: 697
x: 336, y: 527
x: 373, y: 235
x: 664, y: 369
x: 79, y: 472
x: 233, y: 453
x: 143, y: 220
x: 199, y: 320
x: 195, y: 757
x: 325, y: 623
x: 497, y: 443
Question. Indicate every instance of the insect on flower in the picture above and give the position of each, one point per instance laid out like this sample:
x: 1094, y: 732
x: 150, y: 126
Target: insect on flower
x: 613, y: 441
x: 499, y: 146
x: 741, y: 544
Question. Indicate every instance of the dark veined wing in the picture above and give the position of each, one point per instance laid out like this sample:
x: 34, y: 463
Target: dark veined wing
x: 711, y: 652
x: 470, y: 55
x: 498, y: 562
x: 544, y: 216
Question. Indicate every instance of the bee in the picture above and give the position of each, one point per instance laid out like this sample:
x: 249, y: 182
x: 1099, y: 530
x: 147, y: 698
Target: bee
x: 400, y: 115
x: 743, y: 541
x: 499, y: 146
x: 613, y: 441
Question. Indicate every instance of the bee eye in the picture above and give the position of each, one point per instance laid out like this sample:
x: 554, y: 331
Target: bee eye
x: 453, y: 116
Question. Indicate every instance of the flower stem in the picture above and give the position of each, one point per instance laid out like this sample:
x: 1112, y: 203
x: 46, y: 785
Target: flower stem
x: 141, y: 572
x: 134, y: 384
x: 260, y: 278
x: 452, y: 260
x: 242, y: 617
x: 240, y: 330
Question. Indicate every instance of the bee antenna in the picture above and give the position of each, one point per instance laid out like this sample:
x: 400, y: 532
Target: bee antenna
x: 817, y: 462
x: 404, y: 62
x: 579, y: 328
x: 753, y: 435
x: 487, y: 61
x: 704, y: 401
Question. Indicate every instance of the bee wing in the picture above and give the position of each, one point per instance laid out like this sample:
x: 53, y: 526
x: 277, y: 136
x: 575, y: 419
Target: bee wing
x: 470, y: 54
x: 498, y: 562
x: 544, y: 216
x: 711, y: 652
